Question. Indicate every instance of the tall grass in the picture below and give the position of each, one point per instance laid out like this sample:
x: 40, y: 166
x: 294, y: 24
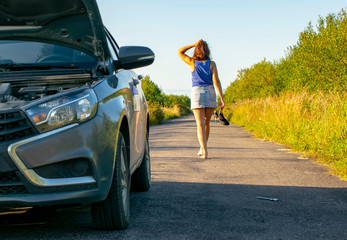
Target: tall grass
x: 158, y: 114
x: 313, y: 123
x: 301, y: 99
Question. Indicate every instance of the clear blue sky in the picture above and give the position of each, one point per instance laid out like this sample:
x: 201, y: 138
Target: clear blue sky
x: 239, y: 33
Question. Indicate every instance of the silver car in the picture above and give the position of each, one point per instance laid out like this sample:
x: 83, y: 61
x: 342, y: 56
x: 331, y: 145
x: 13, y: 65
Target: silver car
x: 73, y: 119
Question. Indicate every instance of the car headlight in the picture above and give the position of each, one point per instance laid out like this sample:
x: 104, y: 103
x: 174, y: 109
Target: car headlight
x: 75, y: 107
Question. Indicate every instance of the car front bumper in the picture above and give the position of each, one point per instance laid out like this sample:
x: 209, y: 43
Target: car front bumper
x: 69, y: 165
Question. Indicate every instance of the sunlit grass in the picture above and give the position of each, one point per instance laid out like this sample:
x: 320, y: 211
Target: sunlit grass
x: 315, y: 124
x: 159, y: 114
x: 171, y: 113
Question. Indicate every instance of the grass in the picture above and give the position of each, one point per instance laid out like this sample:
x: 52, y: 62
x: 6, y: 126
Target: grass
x: 158, y: 114
x: 171, y: 113
x: 315, y: 124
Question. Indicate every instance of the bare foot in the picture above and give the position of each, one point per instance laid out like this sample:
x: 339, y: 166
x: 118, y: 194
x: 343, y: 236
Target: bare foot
x: 200, y: 153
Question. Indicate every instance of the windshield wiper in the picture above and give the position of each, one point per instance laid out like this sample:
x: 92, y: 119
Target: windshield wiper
x: 60, y: 65
x: 11, y: 66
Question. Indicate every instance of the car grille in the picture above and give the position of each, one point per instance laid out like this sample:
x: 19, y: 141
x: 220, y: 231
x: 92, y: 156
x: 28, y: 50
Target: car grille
x: 14, y: 125
x: 11, y: 184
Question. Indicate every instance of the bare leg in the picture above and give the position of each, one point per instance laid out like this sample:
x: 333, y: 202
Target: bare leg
x: 208, y: 115
x: 199, y: 115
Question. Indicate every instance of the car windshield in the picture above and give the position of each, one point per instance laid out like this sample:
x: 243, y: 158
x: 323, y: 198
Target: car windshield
x: 17, y: 53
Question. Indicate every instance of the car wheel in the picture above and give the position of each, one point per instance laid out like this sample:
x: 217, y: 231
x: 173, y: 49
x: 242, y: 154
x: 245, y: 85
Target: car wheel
x: 141, y: 179
x: 114, y: 212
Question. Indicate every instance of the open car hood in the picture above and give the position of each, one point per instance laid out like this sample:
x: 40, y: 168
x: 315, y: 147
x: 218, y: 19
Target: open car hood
x: 72, y: 23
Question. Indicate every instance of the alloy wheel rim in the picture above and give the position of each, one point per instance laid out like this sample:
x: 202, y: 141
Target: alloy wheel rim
x: 147, y: 159
x: 125, y: 185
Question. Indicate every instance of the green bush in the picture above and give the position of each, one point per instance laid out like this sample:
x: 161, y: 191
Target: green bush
x: 161, y: 106
x: 318, y: 62
x: 151, y: 90
x: 255, y: 82
x: 172, y: 100
x: 156, y: 113
x: 301, y: 99
x: 183, y: 109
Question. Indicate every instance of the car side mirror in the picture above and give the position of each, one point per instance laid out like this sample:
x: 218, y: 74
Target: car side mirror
x: 130, y: 57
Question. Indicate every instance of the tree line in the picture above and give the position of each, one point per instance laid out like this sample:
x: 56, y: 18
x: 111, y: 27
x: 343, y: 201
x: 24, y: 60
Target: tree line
x: 317, y: 62
x: 301, y: 99
x: 162, y: 106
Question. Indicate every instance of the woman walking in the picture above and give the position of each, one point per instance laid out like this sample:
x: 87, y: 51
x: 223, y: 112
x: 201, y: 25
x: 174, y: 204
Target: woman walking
x: 204, y: 82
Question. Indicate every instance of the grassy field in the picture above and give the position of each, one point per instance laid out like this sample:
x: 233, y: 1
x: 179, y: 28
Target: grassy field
x: 315, y: 124
x: 158, y: 114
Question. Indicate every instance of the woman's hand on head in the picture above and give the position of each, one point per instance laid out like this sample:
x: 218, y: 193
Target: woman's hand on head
x: 196, y: 44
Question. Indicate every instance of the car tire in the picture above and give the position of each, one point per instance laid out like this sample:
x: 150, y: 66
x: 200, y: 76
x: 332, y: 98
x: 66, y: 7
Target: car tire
x: 141, y: 178
x: 113, y: 213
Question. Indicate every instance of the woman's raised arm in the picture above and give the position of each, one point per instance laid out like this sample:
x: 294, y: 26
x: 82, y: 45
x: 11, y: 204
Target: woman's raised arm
x: 184, y: 57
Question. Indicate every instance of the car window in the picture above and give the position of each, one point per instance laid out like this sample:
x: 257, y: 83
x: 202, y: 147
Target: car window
x: 26, y: 52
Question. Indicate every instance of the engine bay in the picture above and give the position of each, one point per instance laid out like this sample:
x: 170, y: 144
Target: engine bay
x: 28, y: 93
x: 18, y: 88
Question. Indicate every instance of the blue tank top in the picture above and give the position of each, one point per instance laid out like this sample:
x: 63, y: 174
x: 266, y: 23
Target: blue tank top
x: 202, y: 75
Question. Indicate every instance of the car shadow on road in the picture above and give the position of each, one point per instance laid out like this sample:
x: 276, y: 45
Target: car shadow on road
x: 179, y: 210
x: 227, y: 211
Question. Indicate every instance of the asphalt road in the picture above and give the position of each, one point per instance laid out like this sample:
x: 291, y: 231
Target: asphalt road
x: 214, y: 198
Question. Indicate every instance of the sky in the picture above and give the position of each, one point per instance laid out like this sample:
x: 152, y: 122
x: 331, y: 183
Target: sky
x: 239, y: 33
